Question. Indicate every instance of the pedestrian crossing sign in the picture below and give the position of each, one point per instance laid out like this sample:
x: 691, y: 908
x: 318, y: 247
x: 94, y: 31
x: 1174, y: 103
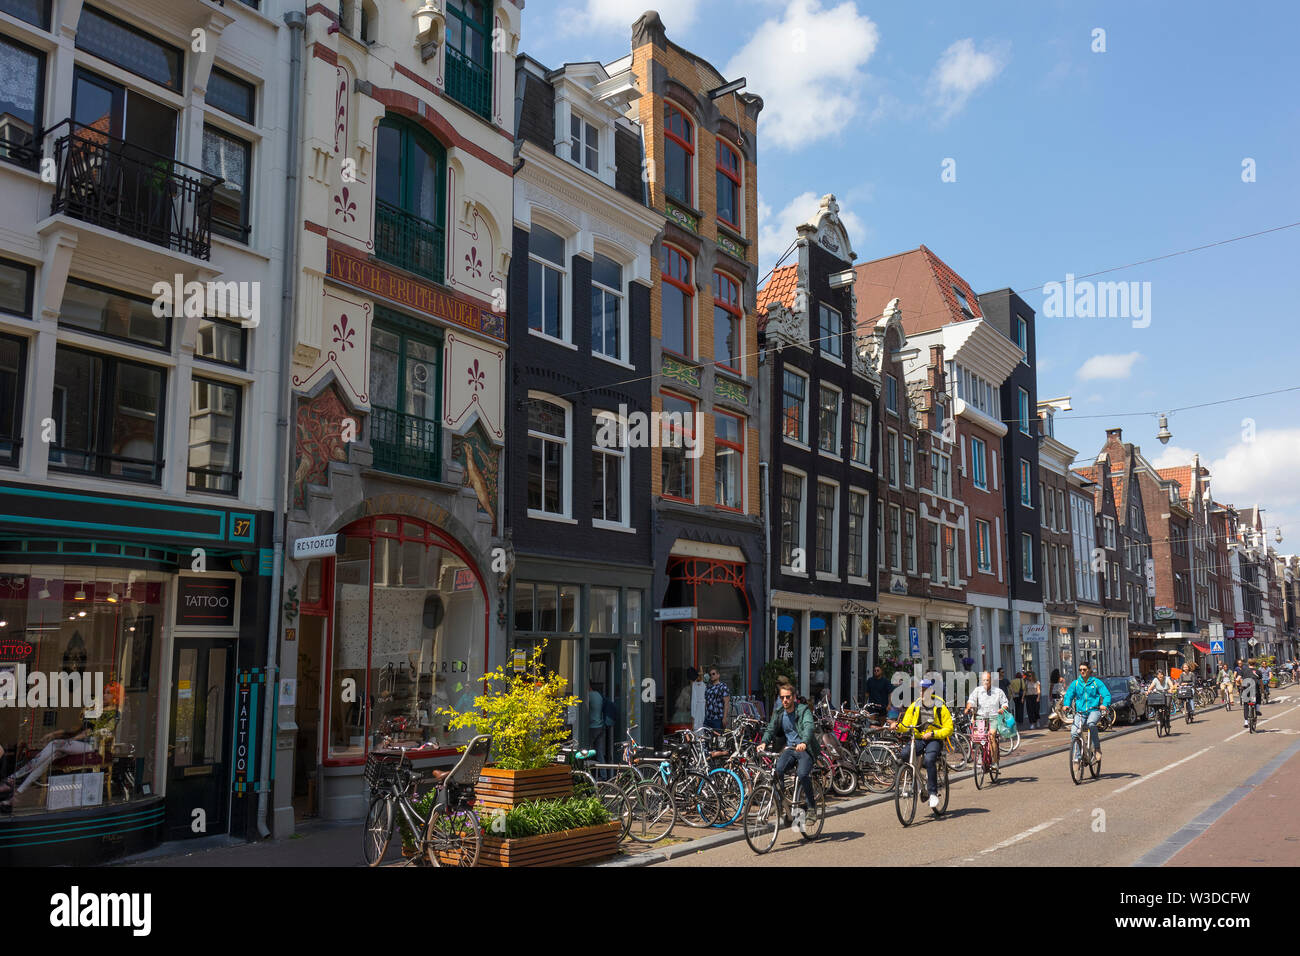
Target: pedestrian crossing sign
x: 1216, y: 647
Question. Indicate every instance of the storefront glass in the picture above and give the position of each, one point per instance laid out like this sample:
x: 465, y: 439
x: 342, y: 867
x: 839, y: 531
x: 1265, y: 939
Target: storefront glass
x: 719, y: 635
x: 408, y: 639
x: 819, y: 656
x: 79, y: 686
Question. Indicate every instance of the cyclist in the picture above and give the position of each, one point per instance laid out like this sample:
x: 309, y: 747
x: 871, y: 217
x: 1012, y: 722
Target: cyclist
x: 988, y: 701
x: 1089, y: 697
x: 930, y: 715
x: 1248, y: 680
x: 794, y: 721
x: 1226, y: 684
x: 1188, y: 676
x: 1265, y: 678
x: 1161, y: 684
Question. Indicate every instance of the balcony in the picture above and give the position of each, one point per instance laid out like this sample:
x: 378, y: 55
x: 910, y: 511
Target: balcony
x: 406, y: 444
x: 408, y: 241
x: 469, y: 83
x: 107, y: 182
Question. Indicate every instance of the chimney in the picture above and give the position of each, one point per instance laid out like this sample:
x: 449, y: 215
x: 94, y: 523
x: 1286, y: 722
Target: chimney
x: 1115, y: 433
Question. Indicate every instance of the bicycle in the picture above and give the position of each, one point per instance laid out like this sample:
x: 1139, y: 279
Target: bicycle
x: 1188, y: 700
x: 1250, y: 710
x: 1083, y: 755
x: 451, y: 834
x: 908, y: 788
x: 1159, y: 706
x: 982, y: 759
x: 766, y: 810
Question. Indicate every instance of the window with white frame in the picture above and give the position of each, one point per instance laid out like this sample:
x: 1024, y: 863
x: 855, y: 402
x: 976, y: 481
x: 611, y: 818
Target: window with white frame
x: 609, y: 332
x: 1022, y: 336
x: 978, y: 456
x: 828, y: 499
x: 546, y: 277
x: 584, y: 143
x: 892, y: 450
x: 940, y: 475
x: 609, y: 471
x: 861, y: 427
x: 792, y: 486
x: 909, y: 541
x: 828, y: 420
x: 794, y: 398
x: 1026, y: 484
x: 895, y: 535
x: 830, y: 332
x: 549, y: 455
x: 857, y: 533
x: 983, y: 545
x: 1027, y: 555
x: 909, y: 462
x: 880, y: 538
x: 1023, y: 410
x: 891, y: 394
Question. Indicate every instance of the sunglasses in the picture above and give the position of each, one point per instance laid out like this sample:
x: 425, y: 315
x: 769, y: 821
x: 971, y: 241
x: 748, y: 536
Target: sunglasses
x: 787, y: 697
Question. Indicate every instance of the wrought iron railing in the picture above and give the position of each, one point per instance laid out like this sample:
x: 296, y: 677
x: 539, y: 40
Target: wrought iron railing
x: 20, y: 146
x: 408, y: 241
x: 88, y: 462
x: 469, y: 83
x: 111, y: 183
x: 406, y: 444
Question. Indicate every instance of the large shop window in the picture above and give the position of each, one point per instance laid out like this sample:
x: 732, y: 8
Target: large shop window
x: 717, y: 637
x: 13, y: 373
x: 545, y: 611
x: 406, y: 395
x: 409, y: 635
x: 83, y: 733
x: 22, y: 101
x: 410, y: 191
x: 107, y: 416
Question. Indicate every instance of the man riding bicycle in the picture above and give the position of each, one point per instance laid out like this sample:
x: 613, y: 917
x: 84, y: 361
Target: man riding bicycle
x: 794, y: 721
x: 988, y: 701
x: 930, y: 715
x: 1248, y: 680
x: 1090, y: 698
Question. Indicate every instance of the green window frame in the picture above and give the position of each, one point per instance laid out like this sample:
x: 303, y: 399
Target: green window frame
x: 410, y: 198
x: 406, y: 439
x: 468, y: 78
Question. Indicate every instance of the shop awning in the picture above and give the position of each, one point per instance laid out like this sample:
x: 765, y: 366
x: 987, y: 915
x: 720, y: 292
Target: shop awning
x: 1203, y: 648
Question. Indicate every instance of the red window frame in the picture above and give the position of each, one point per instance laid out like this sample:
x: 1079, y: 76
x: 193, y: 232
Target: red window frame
x: 690, y: 461
x: 679, y: 128
x: 732, y: 171
x: 737, y: 447
x: 726, y: 296
x: 675, y: 267
x: 366, y: 528
x: 696, y: 571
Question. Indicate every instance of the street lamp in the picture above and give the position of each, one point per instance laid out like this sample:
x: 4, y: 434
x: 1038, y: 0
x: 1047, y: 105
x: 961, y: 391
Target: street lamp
x: 1164, y: 434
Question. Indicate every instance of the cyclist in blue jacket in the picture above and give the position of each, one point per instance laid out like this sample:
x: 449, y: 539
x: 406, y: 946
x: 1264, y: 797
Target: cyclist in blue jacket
x: 1090, y: 698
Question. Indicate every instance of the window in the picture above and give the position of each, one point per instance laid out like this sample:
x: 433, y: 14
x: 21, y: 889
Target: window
x: 1027, y: 555
x: 909, y: 462
x: 22, y: 102
x: 936, y: 556
x: 469, y: 54
x: 880, y: 538
x: 1026, y: 484
x: 909, y: 541
x: 728, y: 339
x: 1022, y: 336
x: 405, y: 396
x: 792, y: 484
x: 978, y: 456
x: 827, y: 526
x: 940, y: 475
x: 676, y: 441
x: 35, y: 12
x: 546, y: 274
x: 830, y: 332
x: 891, y: 394
x: 729, y: 460
x: 828, y: 420
x: 132, y: 49
x: 895, y: 536
x: 107, y: 416
x: 584, y: 143
x: 107, y: 312
x: 961, y: 301
x: 1045, y: 517
x: 221, y: 341
x: 1024, y: 411
x: 677, y: 293
x: 13, y: 374
x: 548, y: 456
x: 857, y: 534
x: 679, y: 155
x: 983, y: 546
x: 950, y: 556
x: 1047, y: 578
x: 214, y: 436
x: 730, y: 196
x: 794, y: 393
x: 410, y: 203
x: 230, y: 158
x: 860, y: 424
x: 230, y: 94
x: 609, y: 471
x: 608, y: 321
x: 891, y: 448
x: 15, y: 284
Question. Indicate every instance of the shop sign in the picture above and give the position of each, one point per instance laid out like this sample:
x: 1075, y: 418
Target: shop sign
x: 518, y: 660
x: 897, y: 584
x: 317, y: 546
x: 1151, y: 577
x: 853, y: 607
x: 250, y: 687
x: 675, y: 614
x: 1033, y: 634
x: 206, y: 602
x: 1243, y: 630
x: 465, y: 580
x: 958, y: 637
x: 1164, y: 614
x: 16, y: 650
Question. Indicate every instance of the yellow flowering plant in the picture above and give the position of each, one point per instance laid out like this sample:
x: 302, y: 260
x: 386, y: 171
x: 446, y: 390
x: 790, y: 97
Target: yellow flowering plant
x: 523, y: 712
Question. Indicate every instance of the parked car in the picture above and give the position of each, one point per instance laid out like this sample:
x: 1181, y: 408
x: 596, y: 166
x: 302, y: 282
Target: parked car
x: 1128, y: 698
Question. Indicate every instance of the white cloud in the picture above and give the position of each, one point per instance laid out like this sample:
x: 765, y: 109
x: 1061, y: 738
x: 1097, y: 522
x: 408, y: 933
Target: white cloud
x: 1174, y: 457
x: 776, y: 232
x: 961, y: 72
x: 617, y: 16
x: 808, y: 67
x: 1108, y: 366
x: 1263, y: 473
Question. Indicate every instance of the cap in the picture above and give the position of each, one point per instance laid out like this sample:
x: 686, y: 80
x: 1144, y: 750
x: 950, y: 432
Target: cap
x: 927, y: 683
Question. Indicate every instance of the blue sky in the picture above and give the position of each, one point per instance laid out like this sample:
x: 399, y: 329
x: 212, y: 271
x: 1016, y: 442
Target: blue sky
x: 1067, y: 161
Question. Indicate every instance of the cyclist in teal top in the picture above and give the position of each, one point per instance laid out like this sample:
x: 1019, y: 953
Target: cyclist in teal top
x: 1090, y: 698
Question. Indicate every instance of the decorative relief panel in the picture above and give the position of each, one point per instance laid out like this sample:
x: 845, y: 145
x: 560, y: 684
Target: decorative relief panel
x: 678, y: 371
x: 473, y: 384
x: 318, y: 440
x: 345, y: 333
x: 481, y: 461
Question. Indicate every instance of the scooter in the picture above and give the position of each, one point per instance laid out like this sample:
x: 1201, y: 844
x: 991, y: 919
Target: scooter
x: 1059, y: 719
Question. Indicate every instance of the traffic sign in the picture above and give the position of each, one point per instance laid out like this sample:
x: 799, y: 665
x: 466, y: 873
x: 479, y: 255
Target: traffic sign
x: 1216, y: 647
x: 914, y: 641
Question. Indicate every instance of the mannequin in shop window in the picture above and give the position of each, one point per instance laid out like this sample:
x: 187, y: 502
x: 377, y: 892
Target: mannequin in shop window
x: 79, y: 741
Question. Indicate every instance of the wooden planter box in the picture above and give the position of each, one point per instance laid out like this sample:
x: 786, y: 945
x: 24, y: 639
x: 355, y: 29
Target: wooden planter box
x: 566, y: 848
x: 509, y: 788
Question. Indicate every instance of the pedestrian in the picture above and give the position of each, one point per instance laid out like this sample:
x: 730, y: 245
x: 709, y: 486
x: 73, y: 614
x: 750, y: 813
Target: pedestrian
x: 596, y: 721
x: 879, y: 687
x: 1003, y: 683
x: 1032, y: 691
x: 1018, y: 695
x: 717, y: 702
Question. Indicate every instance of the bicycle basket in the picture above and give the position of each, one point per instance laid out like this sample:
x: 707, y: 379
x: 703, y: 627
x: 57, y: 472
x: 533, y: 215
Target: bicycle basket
x: 1186, y: 691
x: 979, y: 730
x: 1157, y: 699
x: 380, y: 769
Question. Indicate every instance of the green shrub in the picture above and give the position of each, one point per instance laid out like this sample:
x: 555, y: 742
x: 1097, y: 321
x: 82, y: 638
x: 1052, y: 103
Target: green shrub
x: 538, y: 817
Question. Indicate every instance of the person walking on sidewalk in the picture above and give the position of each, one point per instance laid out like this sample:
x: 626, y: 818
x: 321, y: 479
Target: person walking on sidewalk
x: 1033, y: 695
x: 1018, y: 695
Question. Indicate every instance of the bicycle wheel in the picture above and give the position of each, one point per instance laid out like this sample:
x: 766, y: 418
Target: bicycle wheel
x: 653, y: 812
x: 731, y: 795
x: 615, y: 801
x: 977, y: 765
x: 1189, y: 712
x: 697, y: 800
x: 941, y: 772
x: 584, y: 784
x: 960, y: 749
x: 812, y: 819
x: 879, y: 768
x: 1160, y: 725
x: 379, y: 830
x: 452, y: 837
x: 906, y: 794
x: 1076, y: 759
x: 844, y: 780
x: 762, y: 818
x: 1095, y: 767
x: 995, y: 770
x: 1252, y: 718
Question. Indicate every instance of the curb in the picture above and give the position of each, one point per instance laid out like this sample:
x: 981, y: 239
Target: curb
x: 855, y: 803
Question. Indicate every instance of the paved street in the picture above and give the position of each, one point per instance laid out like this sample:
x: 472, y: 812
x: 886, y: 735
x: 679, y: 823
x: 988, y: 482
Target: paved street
x: 1149, y: 790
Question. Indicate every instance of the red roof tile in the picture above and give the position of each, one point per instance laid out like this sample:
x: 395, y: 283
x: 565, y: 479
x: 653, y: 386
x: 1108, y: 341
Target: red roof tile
x: 926, y: 287
x: 780, y: 288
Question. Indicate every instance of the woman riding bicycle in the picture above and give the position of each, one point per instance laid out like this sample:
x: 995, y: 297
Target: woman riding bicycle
x: 988, y: 701
x: 929, y: 715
